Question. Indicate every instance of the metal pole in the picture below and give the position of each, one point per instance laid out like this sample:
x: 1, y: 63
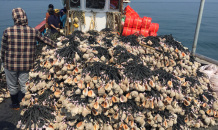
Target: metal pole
x: 198, y: 27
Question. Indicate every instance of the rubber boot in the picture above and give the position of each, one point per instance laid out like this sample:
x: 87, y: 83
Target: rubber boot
x: 15, y: 102
x: 22, y: 96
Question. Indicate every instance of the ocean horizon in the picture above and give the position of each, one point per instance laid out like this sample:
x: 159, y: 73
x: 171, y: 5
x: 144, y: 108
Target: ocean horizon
x: 176, y: 18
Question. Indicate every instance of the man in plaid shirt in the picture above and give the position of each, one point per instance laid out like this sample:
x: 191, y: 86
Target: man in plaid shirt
x: 17, y: 53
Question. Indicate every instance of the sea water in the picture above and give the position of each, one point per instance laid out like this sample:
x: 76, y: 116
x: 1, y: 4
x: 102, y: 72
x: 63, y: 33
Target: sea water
x: 176, y: 18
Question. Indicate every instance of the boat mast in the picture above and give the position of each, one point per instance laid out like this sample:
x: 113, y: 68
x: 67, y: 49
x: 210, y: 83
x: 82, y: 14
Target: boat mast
x: 121, y: 11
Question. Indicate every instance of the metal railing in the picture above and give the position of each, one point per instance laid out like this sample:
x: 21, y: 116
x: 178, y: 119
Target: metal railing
x: 194, y: 46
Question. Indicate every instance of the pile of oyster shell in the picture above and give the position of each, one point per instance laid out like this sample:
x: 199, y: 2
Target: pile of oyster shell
x: 4, y: 93
x: 175, y: 96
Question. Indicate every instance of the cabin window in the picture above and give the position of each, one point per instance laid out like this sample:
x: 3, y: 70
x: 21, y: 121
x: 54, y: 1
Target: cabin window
x: 75, y: 3
x: 95, y: 4
x: 114, y: 4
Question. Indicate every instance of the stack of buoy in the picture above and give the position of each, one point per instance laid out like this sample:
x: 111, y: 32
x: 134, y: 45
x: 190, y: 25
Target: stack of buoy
x: 101, y: 81
x: 135, y: 24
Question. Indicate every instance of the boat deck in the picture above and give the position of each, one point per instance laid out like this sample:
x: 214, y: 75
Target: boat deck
x: 8, y: 117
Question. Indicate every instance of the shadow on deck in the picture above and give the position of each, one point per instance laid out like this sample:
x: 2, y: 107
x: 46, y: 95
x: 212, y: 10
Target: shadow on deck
x: 8, y: 117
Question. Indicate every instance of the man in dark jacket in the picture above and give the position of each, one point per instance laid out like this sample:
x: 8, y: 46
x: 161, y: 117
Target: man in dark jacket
x: 54, y: 23
x: 47, y: 15
x: 17, y: 53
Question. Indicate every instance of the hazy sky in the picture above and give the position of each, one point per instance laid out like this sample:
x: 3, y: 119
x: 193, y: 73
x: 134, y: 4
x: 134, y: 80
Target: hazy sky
x: 172, y: 0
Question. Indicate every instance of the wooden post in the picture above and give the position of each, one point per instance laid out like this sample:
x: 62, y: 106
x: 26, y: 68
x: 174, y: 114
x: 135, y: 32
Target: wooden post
x: 67, y: 20
x: 68, y: 4
x: 121, y: 11
x: 68, y: 23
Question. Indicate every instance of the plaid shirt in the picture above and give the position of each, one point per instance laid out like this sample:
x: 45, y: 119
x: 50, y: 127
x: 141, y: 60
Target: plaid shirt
x: 19, y: 43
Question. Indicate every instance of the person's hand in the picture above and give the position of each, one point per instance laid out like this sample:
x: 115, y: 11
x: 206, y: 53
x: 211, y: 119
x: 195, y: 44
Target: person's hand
x: 58, y: 29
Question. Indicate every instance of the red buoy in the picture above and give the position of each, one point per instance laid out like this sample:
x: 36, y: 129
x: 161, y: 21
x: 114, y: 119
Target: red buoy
x: 128, y: 11
x: 153, y: 34
x: 129, y: 21
x: 154, y: 27
x: 137, y: 23
x: 146, y: 22
x: 126, y: 31
x: 135, y: 31
x: 144, y: 32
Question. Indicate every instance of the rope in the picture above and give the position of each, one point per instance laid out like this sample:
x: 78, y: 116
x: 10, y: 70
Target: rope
x: 84, y: 17
x: 111, y: 19
x: 80, y: 15
x: 92, y: 23
x: 72, y: 22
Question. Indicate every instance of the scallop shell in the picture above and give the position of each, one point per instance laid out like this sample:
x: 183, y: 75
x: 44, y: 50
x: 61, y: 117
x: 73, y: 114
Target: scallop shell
x: 57, y: 93
x: 170, y: 84
x: 123, y: 98
x: 186, y: 103
x: 115, y: 99
x: 78, y: 91
x: 91, y: 94
x: 81, y: 84
x: 87, y: 79
x: 80, y: 125
x: 111, y: 93
x: 101, y: 91
x: 95, y: 79
x: 94, y: 112
x: 116, y: 116
x: 85, y: 92
x: 108, y: 87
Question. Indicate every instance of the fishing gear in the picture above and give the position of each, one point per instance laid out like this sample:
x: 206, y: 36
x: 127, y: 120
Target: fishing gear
x: 169, y: 40
x: 102, y: 52
x: 35, y: 113
x: 69, y: 52
x: 132, y: 39
x: 107, y: 42
x: 102, y: 70
x: 136, y: 72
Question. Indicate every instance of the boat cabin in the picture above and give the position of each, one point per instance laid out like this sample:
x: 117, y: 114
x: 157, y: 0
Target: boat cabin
x: 87, y: 15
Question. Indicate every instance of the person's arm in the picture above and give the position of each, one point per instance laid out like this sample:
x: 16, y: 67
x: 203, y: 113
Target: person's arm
x: 63, y: 18
x: 46, y: 19
x: 58, y: 29
x: 46, y: 40
x: 4, y: 45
